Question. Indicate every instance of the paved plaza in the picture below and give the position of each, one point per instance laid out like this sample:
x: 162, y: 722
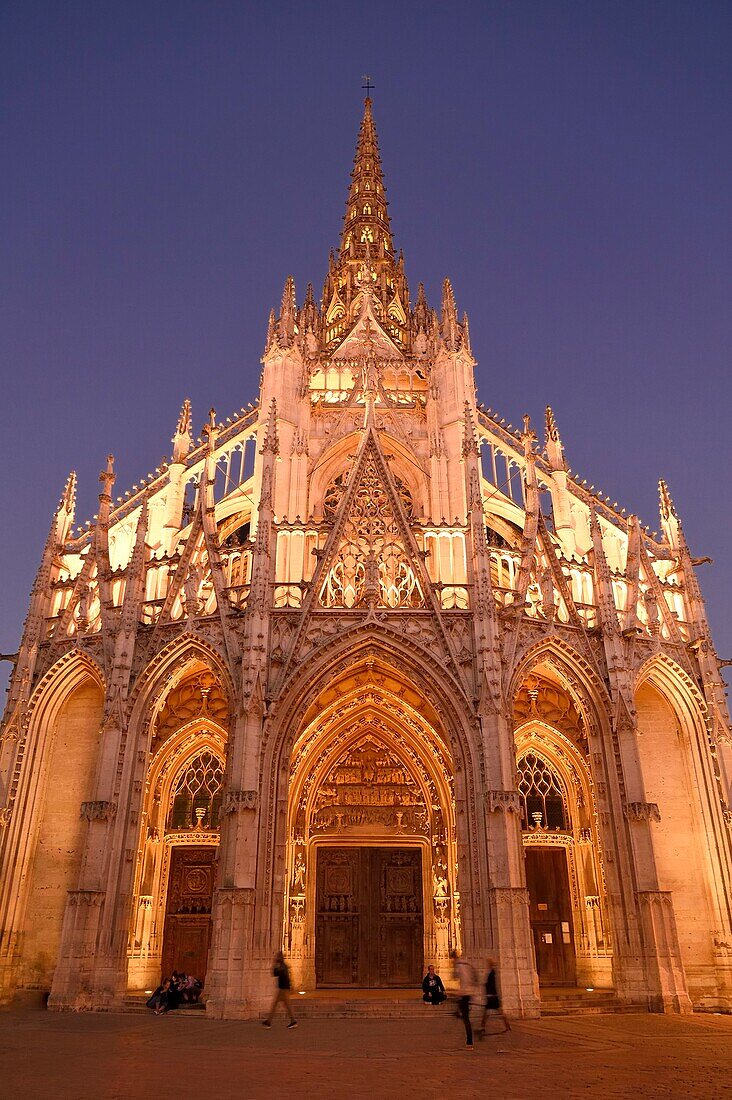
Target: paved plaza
x: 111, y: 1056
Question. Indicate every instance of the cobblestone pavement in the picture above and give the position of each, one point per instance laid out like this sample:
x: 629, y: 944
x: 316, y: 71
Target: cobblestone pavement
x: 110, y: 1056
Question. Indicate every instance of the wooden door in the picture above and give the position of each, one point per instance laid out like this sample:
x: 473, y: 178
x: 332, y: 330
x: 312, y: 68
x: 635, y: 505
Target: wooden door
x: 551, y: 915
x: 369, y: 922
x: 187, y: 931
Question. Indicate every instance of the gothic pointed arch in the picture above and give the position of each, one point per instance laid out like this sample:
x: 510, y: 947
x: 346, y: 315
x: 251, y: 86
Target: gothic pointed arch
x: 169, y: 665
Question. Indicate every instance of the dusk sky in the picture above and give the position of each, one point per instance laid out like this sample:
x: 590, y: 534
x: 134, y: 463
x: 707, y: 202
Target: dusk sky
x: 167, y: 164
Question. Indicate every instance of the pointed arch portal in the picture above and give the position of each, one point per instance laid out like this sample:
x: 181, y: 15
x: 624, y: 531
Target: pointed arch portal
x: 371, y: 880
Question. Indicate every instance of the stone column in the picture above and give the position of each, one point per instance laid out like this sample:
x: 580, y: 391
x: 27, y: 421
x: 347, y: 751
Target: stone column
x: 231, y: 991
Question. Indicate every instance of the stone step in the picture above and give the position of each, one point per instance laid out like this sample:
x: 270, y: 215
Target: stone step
x: 580, y: 1002
x: 320, y: 1008
x: 410, y: 1006
x: 137, y: 1002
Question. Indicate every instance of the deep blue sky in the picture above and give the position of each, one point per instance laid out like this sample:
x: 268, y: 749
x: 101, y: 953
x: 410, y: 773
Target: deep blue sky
x: 166, y: 165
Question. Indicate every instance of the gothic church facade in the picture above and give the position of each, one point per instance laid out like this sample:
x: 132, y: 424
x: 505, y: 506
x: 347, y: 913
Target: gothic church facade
x: 366, y: 675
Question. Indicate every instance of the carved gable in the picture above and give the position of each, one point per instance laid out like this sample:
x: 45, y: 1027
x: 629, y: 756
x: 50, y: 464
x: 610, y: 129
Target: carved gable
x: 371, y: 564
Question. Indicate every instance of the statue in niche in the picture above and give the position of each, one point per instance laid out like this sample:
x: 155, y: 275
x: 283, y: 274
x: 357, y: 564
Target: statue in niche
x: 299, y: 875
x: 189, y: 595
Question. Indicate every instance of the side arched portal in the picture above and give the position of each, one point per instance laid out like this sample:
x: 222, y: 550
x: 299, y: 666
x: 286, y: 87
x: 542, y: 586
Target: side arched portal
x: 179, y: 835
x: 568, y: 906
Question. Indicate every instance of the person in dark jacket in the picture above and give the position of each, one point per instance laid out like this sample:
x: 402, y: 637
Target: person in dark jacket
x: 159, y: 1000
x: 492, y: 1000
x: 432, y: 988
x: 281, y: 973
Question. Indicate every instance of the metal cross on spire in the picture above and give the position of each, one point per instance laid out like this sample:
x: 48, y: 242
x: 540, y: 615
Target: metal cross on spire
x: 368, y: 87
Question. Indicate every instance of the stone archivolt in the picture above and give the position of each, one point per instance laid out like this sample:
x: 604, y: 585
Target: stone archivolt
x: 366, y: 569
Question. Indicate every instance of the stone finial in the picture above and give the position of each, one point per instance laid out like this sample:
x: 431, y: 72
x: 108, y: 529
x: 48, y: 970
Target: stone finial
x: 271, y: 443
x: 553, y: 442
x: 666, y: 504
x: 470, y: 441
x: 288, y: 314
x: 67, y: 503
x: 107, y: 478
x: 466, y: 332
x: 449, y: 309
x: 670, y: 523
x: 183, y: 438
x: 528, y: 437
x: 421, y: 310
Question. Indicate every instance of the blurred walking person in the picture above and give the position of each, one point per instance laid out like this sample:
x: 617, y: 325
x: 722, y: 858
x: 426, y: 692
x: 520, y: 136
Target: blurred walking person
x: 281, y: 973
x: 492, y: 1000
x: 465, y: 976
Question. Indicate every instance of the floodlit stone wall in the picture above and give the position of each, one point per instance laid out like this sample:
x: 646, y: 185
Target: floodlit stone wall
x: 55, y: 868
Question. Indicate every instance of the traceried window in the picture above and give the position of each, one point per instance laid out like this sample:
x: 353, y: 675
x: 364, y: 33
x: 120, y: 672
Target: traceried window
x: 334, y: 492
x: 372, y: 562
x: 541, y: 792
x: 197, y: 794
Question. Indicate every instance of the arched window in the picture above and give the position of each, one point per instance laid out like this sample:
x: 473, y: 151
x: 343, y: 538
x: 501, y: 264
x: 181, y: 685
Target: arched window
x: 541, y: 792
x: 197, y: 794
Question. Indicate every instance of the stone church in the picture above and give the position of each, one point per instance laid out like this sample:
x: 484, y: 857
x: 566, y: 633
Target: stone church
x: 366, y: 675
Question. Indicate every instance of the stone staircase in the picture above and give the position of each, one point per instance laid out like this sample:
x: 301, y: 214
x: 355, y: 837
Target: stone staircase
x: 366, y: 1004
x: 333, y: 1004
x: 137, y: 1002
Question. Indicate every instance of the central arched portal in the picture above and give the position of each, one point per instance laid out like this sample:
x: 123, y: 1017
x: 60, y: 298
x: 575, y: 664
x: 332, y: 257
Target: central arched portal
x: 371, y: 894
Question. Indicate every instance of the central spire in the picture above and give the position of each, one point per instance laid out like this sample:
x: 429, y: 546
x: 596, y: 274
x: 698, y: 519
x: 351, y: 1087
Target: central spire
x: 366, y: 252
x: 366, y: 224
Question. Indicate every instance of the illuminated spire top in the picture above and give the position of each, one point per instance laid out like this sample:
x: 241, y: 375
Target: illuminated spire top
x: 367, y: 217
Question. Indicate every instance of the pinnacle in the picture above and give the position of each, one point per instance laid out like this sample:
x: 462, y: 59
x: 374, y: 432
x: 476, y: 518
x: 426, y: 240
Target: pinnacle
x: 553, y: 442
x: 107, y: 475
x: 68, y: 497
x: 666, y: 504
x: 183, y: 437
x: 271, y: 442
x: 184, y: 420
x: 289, y: 300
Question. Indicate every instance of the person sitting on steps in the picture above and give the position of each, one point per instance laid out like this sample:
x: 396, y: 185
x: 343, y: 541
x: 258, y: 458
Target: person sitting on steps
x: 432, y: 988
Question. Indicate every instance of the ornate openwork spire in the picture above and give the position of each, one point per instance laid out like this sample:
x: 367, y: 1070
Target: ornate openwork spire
x: 367, y: 216
x: 367, y: 248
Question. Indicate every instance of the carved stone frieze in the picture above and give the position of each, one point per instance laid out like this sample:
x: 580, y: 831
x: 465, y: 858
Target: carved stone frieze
x: 507, y: 802
x: 99, y: 811
x: 90, y: 899
x: 235, y: 801
x: 642, y: 811
x: 235, y: 896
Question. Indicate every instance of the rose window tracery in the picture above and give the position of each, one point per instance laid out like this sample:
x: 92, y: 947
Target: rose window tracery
x: 541, y: 793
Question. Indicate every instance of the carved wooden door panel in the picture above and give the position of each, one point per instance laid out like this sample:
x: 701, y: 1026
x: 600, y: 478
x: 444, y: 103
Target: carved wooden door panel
x: 188, y: 911
x: 369, y: 922
x: 398, y: 872
x: 338, y: 918
x: 551, y: 915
